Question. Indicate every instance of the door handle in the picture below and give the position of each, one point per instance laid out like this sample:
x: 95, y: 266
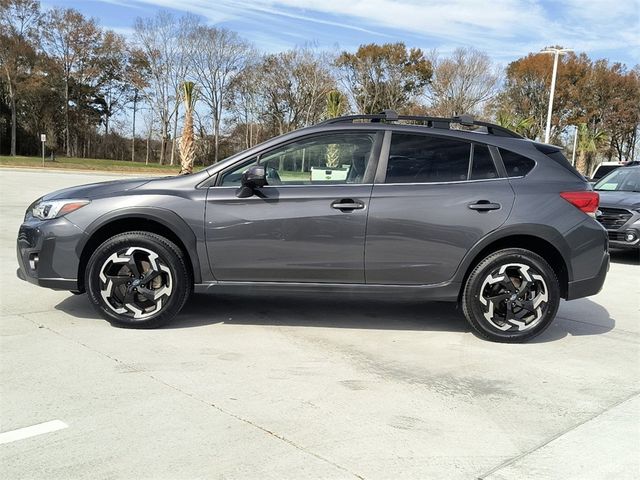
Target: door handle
x: 347, y: 204
x: 484, y: 205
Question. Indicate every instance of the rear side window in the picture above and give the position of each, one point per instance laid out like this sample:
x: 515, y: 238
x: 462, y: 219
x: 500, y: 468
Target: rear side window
x: 516, y: 165
x: 482, y: 166
x: 421, y: 159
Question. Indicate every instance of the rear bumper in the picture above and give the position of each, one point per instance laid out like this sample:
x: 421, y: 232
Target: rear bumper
x: 589, y: 286
x: 47, y: 255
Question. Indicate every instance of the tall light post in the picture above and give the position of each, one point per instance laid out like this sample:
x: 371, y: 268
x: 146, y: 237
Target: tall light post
x: 556, y: 54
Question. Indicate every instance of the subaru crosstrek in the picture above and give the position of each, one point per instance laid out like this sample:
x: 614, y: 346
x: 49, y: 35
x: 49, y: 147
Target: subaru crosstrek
x: 429, y: 208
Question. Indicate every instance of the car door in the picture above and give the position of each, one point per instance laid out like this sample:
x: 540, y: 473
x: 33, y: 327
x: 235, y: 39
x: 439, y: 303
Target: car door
x: 308, y: 224
x: 434, y: 197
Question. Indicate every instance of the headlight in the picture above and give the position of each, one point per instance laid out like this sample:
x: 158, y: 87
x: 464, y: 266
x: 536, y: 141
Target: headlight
x: 48, y: 209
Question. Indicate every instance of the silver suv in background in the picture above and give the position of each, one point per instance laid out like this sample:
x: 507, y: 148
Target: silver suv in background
x: 619, y: 210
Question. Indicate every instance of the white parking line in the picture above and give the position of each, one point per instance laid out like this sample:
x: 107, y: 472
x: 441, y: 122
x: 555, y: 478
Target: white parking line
x: 32, y: 431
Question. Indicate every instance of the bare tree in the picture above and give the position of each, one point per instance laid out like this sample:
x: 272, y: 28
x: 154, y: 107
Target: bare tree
x: 219, y: 56
x: 462, y: 83
x: 161, y: 40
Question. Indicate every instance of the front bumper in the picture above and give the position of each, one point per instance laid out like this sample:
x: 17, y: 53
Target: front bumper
x: 47, y: 253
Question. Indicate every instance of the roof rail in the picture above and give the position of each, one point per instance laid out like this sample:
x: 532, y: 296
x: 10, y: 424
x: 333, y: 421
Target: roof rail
x: 433, y: 122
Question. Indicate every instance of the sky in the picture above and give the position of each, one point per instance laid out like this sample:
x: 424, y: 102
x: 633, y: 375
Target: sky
x: 504, y: 29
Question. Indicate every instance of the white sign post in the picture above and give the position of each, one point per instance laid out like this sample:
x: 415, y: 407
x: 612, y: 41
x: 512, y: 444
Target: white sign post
x: 43, y: 139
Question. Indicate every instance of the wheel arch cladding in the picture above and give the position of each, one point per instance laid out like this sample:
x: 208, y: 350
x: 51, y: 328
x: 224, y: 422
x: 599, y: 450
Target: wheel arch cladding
x: 159, y: 221
x: 537, y: 244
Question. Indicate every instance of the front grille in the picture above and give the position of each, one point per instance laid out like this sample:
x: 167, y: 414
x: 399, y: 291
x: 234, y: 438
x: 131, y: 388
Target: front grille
x: 614, y: 218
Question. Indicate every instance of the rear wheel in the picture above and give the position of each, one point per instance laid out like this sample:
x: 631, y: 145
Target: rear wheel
x: 511, y: 296
x: 138, y: 279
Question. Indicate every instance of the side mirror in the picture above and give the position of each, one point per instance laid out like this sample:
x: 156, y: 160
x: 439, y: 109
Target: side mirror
x: 254, y: 178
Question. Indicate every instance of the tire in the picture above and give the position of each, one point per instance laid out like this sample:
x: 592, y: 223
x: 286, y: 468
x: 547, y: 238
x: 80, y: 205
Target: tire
x: 511, y: 296
x: 138, y: 280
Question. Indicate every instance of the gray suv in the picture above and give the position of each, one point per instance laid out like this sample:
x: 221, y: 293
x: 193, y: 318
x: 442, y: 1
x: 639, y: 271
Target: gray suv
x: 401, y: 206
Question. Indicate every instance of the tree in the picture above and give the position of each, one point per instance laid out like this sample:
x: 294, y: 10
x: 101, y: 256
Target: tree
x: 19, y: 22
x: 293, y: 86
x: 384, y: 76
x: 589, y: 142
x: 73, y: 41
x: 187, y: 142
x: 463, y: 83
x: 159, y: 39
x: 246, y: 105
x: 136, y: 73
x: 336, y: 105
x: 219, y: 57
x: 518, y: 125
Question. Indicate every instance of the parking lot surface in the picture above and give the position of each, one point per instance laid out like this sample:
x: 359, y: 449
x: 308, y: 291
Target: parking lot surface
x: 310, y: 387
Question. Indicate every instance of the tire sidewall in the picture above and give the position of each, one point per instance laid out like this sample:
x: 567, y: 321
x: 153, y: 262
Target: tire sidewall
x: 473, y: 308
x: 168, y: 253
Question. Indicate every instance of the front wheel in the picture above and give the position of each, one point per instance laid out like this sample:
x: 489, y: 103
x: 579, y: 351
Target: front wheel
x: 138, y: 279
x: 511, y: 296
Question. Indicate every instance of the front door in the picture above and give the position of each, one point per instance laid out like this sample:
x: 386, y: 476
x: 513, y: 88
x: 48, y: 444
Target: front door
x: 308, y: 224
x: 434, y: 198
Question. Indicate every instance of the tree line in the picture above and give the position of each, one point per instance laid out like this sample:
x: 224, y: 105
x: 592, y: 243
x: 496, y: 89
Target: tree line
x: 95, y: 93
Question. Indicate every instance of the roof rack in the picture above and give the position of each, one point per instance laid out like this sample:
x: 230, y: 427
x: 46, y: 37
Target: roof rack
x: 433, y: 122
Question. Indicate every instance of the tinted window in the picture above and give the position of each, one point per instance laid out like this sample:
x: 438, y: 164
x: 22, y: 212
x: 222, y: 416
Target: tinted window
x: 482, y: 166
x: 421, y: 158
x: 516, y: 165
x: 323, y: 159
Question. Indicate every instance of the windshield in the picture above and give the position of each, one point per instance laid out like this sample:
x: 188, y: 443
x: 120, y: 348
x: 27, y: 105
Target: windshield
x: 621, y: 180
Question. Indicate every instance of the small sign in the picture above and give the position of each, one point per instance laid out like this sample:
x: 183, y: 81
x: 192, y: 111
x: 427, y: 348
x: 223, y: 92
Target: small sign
x: 43, y: 137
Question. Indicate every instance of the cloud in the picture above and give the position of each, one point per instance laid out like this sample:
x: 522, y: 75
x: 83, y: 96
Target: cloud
x: 503, y: 28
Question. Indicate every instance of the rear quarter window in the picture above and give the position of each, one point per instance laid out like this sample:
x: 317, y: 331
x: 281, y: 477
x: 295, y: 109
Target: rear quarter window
x: 515, y: 164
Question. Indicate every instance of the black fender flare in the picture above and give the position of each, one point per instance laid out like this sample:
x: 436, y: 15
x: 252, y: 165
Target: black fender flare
x: 167, y: 218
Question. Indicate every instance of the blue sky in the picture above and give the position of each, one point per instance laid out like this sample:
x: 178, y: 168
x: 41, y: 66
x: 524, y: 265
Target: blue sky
x: 505, y: 29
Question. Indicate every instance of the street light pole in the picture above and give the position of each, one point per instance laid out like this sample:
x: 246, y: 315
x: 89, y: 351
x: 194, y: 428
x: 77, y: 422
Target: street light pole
x: 556, y: 54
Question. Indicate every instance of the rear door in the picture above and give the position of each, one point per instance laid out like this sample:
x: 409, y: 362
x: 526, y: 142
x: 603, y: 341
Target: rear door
x: 434, y: 197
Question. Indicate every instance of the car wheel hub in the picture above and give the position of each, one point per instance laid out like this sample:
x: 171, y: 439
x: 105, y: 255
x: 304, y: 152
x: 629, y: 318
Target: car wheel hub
x: 135, y: 282
x: 514, y: 297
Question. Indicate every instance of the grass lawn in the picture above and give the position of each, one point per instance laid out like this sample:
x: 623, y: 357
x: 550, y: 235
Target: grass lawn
x: 90, y: 164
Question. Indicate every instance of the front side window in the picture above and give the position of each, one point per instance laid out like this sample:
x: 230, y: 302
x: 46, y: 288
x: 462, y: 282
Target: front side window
x: 335, y: 158
x: 415, y: 158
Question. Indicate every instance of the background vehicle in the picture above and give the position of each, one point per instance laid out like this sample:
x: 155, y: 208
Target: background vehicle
x: 423, y: 210
x: 603, y: 169
x: 620, y: 206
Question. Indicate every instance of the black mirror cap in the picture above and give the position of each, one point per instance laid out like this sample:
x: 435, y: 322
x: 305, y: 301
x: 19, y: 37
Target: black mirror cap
x: 255, y: 177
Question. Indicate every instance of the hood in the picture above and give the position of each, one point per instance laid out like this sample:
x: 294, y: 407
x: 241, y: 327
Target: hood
x: 630, y: 200
x: 96, y: 190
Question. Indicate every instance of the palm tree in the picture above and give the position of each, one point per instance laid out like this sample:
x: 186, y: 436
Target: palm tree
x: 518, y: 125
x: 589, y: 142
x: 336, y: 105
x: 187, y: 141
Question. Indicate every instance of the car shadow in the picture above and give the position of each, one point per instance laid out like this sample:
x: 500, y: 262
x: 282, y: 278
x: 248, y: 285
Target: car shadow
x: 348, y: 311
x: 626, y: 256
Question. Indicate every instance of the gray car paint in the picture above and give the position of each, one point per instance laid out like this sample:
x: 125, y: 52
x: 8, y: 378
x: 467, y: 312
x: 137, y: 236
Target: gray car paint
x: 291, y: 236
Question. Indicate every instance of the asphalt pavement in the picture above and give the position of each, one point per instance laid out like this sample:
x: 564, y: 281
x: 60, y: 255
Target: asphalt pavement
x: 313, y: 387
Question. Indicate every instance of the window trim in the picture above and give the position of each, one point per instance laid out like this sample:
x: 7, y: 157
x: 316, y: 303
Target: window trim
x: 381, y: 173
x: 374, y: 158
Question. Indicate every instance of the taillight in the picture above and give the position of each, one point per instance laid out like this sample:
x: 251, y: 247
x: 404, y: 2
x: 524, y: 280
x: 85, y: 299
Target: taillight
x: 585, y: 201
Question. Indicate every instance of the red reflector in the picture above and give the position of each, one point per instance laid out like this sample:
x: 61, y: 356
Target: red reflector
x: 585, y: 200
